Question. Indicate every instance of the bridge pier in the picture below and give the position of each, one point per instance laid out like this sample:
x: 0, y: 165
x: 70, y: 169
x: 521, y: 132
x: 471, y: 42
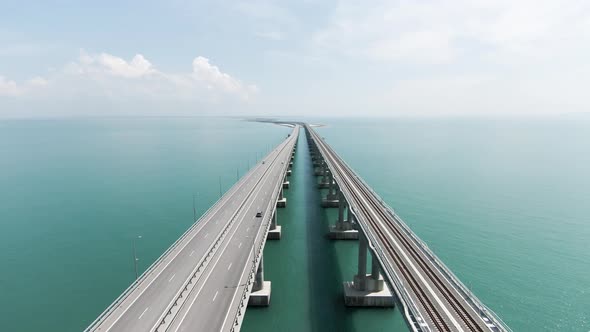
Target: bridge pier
x: 367, y: 290
x: 344, y: 229
x: 320, y: 169
x: 282, y: 201
x: 260, y: 295
x: 325, y: 180
x: 331, y: 199
x: 274, y: 233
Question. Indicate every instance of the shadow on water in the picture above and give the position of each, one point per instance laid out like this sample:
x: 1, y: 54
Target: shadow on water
x: 303, y: 266
x: 326, y: 308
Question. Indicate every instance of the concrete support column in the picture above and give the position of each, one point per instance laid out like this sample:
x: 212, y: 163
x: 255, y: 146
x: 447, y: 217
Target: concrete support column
x: 362, y: 268
x: 273, y: 222
x: 260, y: 295
x: 344, y: 229
x: 331, y: 199
x: 374, y: 268
x: 325, y: 179
x: 259, y: 279
x: 367, y: 290
x: 330, y: 184
x: 274, y: 231
x: 336, y: 189
x: 349, y: 215
x: 341, y: 206
x: 281, y: 201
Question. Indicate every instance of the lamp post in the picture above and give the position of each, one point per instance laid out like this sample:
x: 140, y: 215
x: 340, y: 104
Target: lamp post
x: 135, y: 259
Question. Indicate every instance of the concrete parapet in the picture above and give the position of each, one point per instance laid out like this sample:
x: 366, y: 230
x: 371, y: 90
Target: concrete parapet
x: 274, y: 234
x: 260, y: 298
x: 281, y: 203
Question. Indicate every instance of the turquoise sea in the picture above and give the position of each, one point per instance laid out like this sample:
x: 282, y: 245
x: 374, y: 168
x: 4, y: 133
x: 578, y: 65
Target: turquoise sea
x: 504, y: 202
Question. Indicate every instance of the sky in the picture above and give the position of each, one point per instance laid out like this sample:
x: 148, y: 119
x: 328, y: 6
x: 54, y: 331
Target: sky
x: 294, y: 58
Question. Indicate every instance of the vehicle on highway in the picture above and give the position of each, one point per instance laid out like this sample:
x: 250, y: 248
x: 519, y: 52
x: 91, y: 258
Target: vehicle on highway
x: 259, y: 214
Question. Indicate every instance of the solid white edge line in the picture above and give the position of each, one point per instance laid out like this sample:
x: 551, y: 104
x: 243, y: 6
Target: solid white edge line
x: 146, y: 309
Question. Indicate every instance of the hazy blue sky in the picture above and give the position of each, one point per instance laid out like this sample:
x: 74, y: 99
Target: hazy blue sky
x: 413, y: 57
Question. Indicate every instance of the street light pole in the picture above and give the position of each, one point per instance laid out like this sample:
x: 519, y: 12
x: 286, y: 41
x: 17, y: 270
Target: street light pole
x: 135, y: 259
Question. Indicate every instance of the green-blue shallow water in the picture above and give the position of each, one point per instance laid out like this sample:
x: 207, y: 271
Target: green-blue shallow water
x: 504, y: 203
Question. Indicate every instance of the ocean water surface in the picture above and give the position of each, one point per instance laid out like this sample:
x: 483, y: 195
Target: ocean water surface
x: 503, y: 202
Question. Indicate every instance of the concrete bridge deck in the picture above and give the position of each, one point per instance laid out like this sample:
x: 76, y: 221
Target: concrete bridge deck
x: 204, y: 281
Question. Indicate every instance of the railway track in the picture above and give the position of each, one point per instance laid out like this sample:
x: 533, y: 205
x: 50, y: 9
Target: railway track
x: 461, y: 311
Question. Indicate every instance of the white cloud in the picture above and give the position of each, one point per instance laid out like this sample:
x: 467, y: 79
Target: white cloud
x: 105, y: 63
x: 11, y: 88
x: 213, y: 78
x: 441, y: 31
x: 137, y: 67
x: 8, y: 87
x: 114, y: 77
x: 440, y: 57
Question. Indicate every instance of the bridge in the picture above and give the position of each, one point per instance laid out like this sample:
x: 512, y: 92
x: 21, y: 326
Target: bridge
x: 208, y: 277
x: 214, y: 271
x: 403, y: 269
